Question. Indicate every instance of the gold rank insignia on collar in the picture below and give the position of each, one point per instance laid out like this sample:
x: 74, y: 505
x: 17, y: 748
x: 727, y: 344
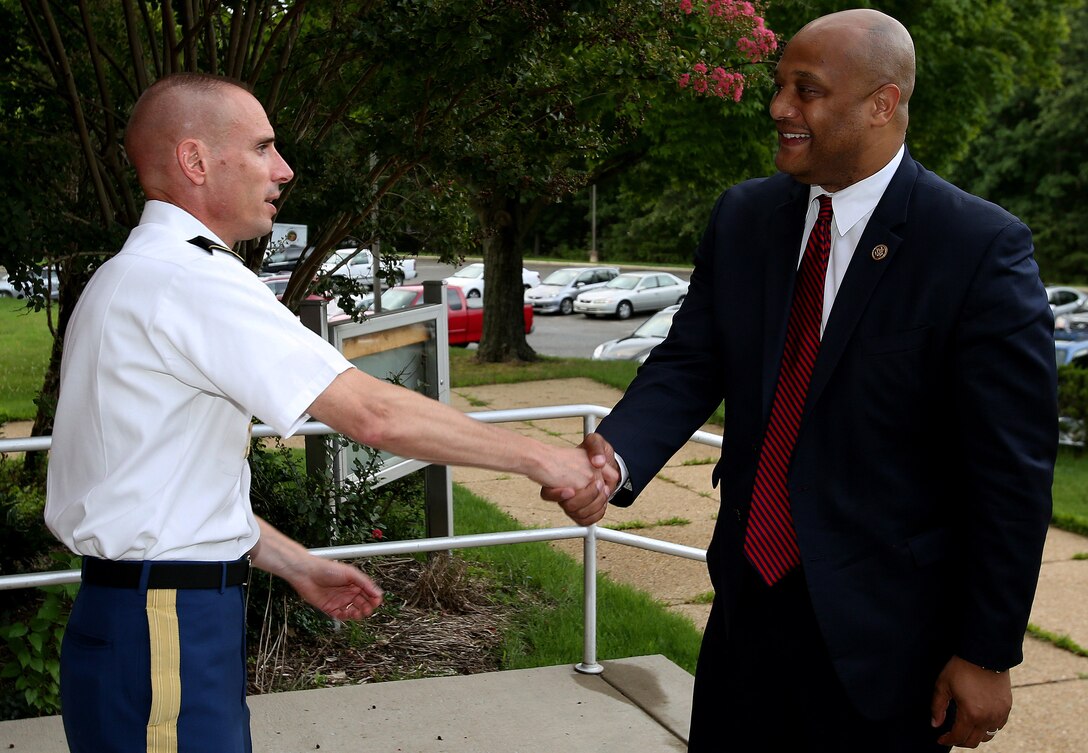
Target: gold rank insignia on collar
x: 211, y: 246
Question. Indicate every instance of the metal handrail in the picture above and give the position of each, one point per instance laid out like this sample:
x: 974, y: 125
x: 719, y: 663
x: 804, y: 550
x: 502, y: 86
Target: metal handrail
x: 589, y: 534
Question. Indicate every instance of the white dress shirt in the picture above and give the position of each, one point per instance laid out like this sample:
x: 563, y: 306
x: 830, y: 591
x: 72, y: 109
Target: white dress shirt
x: 169, y: 354
x: 851, y: 209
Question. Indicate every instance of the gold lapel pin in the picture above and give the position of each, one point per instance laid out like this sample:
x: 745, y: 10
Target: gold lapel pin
x: 879, y: 252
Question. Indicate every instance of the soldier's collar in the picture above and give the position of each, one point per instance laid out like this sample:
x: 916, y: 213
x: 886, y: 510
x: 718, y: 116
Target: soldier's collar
x: 211, y: 247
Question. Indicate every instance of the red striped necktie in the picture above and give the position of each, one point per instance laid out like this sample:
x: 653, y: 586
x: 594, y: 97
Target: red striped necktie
x: 770, y: 542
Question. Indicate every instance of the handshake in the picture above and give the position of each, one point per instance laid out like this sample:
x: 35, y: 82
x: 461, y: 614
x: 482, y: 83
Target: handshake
x: 583, y: 480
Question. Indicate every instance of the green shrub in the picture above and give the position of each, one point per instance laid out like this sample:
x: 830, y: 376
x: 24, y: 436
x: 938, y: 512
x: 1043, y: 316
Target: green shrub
x: 30, y: 649
x: 23, y: 535
x: 1073, y: 400
x: 312, y: 510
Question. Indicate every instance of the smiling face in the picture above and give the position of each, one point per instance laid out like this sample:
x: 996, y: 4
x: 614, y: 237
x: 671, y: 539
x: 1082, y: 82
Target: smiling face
x: 835, y: 108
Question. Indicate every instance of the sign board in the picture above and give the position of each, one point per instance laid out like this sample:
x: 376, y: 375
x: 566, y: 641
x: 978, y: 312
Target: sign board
x: 409, y: 347
x: 287, y: 234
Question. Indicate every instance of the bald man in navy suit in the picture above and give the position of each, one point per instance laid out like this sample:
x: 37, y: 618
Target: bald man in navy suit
x: 918, y: 485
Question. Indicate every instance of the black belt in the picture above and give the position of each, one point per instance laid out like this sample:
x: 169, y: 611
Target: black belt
x: 165, y: 574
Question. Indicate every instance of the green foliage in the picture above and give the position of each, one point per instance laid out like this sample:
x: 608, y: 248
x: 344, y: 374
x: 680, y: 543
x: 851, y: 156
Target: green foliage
x: 30, y: 630
x: 1033, y: 160
x: 30, y: 653
x: 23, y: 536
x: 1073, y: 400
x: 312, y: 510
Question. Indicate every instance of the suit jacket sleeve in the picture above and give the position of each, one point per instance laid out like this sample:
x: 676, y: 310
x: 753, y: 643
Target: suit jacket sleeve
x: 1006, y: 422
x: 677, y: 389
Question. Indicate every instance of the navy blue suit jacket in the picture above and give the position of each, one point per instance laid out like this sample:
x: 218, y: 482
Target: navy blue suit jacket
x: 920, y: 482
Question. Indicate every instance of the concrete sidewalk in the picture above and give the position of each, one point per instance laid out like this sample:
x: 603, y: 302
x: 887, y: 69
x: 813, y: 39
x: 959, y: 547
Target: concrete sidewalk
x: 639, y: 704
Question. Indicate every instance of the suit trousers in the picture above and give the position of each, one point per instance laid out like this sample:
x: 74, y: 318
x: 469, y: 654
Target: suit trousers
x: 155, y: 670
x: 765, y: 681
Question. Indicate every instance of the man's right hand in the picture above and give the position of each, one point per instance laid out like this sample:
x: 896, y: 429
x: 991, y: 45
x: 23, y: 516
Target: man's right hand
x: 588, y: 505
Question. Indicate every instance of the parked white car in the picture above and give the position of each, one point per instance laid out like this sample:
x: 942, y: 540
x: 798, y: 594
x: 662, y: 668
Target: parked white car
x: 358, y: 264
x: 631, y: 292
x: 471, y: 279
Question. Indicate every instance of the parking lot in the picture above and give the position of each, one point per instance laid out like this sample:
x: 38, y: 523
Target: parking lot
x: 573, y: 336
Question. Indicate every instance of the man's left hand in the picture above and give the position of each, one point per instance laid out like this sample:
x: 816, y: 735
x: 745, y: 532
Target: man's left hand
x: 983, y: 702
x: 341, y: 591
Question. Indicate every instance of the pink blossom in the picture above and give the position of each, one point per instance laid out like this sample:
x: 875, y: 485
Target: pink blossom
x: 734, y: 20
x: 738, y: 88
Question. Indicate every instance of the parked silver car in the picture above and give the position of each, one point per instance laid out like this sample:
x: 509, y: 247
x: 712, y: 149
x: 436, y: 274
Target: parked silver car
x: 637, y: 345
x: 1065, y: 299
x: 630, y: 292
x: 558, y: 290
x: 9, y: 289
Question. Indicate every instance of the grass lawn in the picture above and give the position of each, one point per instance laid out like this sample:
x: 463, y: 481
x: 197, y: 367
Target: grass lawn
x: 1071, y: 491
x: 25, y: 341
x: 466, y: 372
x: 549, y: 630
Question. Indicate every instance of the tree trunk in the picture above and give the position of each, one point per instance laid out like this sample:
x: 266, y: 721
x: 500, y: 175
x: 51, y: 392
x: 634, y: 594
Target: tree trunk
x: 72, y: 284
x: 503, y: 337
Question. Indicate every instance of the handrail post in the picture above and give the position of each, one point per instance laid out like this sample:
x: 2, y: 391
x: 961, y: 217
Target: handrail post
x: 589, y: 663
x: 589, y: 424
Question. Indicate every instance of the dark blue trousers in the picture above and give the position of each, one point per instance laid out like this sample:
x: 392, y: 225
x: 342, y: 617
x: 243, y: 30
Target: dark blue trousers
x: 155, y: 670
x: 766, y: 682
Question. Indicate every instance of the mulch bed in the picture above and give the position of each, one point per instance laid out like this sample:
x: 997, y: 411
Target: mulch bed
x: 438, y: 620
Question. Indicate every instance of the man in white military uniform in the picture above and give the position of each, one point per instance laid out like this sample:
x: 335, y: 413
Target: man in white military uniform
x: 172, y: 349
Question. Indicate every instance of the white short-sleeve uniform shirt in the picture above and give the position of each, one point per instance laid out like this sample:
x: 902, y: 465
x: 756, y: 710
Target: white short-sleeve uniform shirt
x: 169, y: 354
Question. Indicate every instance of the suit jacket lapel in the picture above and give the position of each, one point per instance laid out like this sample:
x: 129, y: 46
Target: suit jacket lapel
x: 874, y: 254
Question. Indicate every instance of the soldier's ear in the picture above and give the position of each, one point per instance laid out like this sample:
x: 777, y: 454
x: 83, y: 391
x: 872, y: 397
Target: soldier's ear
x: 192, y: 158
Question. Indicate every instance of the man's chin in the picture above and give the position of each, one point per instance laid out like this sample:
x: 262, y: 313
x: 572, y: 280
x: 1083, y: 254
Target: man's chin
x: 261, y: 229
x: 787, y: 163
